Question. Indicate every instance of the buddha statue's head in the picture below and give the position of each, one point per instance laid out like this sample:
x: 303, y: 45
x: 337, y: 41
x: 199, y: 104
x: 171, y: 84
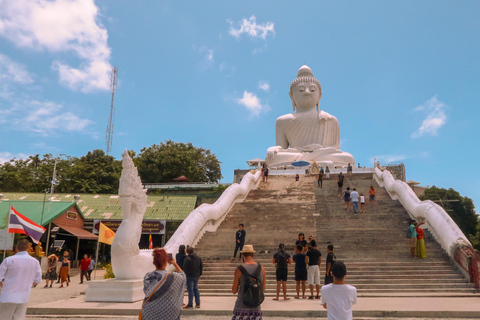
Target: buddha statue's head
x: 305, y: 90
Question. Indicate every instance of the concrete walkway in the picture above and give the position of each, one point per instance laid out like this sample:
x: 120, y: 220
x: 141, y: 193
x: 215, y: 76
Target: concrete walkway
x: 433, y: 308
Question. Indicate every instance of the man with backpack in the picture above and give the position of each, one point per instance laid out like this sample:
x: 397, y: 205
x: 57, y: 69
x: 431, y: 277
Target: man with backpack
x: 249, y: 282
x: 281, y: 259
x: 193, y: 268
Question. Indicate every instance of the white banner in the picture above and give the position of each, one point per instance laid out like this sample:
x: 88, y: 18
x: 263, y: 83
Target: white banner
x: 6, y: 240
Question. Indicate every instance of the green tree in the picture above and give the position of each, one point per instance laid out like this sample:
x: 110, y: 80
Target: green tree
x: 461, y: 210
x: 94, y: 173
x: 169, y: 160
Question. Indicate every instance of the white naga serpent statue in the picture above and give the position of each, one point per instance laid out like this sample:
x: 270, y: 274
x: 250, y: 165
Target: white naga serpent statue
x: 131, y: 263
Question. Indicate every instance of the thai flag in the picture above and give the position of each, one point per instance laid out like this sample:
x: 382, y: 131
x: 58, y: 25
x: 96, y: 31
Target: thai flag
x: 18, y: 223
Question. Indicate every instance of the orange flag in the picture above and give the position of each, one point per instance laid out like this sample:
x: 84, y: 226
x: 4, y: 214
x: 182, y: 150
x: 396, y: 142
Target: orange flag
x: 150, y: 242
x: 105, y: 234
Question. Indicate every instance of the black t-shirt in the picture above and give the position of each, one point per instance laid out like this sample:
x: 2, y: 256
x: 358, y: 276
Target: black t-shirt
x: 299, y: 259
x: 340, y: 178
x: 281, y: 258
x: 331, y: 259
x: 303, y: 243
x: 313, y: 256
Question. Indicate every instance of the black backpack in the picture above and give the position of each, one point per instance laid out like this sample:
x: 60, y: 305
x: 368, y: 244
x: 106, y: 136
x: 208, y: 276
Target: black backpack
x: 281, y: 259
x: 252, y: 295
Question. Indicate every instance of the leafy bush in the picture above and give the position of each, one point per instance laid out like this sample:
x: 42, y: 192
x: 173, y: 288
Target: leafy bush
x: 108, y: 272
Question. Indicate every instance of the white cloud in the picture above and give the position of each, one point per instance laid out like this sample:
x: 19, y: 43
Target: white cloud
x: 11, y: 71
x: 435, y: 119
x: 251, y: 28
x: 7, y: 156
x: 62, y: 26
x: 48, y: 117
x: 391, y: 158
x: 252, y: 103
x: 264, y: 85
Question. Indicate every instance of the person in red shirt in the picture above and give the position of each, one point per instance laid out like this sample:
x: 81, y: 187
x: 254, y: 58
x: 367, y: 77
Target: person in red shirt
x: 84, y: 265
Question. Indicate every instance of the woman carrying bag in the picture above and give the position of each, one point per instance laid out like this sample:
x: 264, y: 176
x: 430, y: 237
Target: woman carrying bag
x: 163, y: 290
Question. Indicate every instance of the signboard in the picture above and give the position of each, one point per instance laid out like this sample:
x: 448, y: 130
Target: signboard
x: 6, y: 240
x: 71, y: 215
x: 148, y: 226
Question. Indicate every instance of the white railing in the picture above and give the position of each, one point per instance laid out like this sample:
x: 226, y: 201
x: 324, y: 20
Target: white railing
x: 443, y: 228
x: 208, y: 217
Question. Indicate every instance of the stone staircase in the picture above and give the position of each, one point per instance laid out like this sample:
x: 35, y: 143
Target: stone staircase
x: 372, y: 244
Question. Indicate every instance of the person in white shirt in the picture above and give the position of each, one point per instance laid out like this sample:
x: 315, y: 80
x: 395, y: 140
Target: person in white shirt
x: 17, y: 275
x: 354, y: 196
x: 338, y: 297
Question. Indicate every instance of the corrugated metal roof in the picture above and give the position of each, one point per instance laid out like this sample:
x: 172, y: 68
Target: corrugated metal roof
x: 33, y: 210
x: 107, y: 206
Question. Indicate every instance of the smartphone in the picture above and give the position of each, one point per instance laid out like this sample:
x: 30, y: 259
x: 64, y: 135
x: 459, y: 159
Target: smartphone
x: 170, y: 257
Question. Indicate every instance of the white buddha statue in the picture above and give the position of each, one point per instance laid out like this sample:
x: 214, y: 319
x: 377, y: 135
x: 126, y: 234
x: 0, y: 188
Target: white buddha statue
x: 309, y: 134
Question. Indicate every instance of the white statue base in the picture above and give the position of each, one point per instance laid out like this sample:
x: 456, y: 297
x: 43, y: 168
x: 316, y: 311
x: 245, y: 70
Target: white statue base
x: 113, y: 290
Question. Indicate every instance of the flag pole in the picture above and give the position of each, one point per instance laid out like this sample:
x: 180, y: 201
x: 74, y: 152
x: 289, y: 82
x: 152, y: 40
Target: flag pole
x: 96, y: 261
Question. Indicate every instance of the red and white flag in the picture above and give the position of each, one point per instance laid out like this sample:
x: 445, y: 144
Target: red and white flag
x: 18, y: 223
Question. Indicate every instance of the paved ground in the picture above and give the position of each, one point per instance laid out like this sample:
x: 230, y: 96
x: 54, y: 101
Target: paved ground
x: 220, y: 318
x: 68, y: 303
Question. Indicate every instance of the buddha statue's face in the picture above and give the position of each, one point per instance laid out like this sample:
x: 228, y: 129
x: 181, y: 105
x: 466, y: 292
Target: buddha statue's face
x: 305, y: 95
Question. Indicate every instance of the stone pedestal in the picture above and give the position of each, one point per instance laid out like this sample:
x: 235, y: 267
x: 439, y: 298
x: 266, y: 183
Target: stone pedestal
x: 112, y: 290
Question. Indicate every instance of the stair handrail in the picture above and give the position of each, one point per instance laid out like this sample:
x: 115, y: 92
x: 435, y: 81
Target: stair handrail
x: 443, y: 228
x: 208, y: 217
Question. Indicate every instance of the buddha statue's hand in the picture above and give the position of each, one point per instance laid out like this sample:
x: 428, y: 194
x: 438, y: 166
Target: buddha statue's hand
x: 271, y: 152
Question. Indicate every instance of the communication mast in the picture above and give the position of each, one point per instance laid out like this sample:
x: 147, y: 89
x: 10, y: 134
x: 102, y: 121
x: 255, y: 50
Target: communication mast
x: 109, y: 133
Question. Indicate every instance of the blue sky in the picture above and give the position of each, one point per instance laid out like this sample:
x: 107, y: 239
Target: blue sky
x: 402, y: 78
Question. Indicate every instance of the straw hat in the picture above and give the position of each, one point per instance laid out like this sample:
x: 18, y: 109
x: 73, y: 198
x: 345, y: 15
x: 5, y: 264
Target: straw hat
x: 248, y: 248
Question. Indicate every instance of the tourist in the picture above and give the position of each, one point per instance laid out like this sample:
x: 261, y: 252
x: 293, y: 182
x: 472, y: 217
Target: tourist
x: 180, y: 256
x: 313, y: 258
x: 338, y: 297
x: 327, y: 173
x: 371, y: 194
x: 91, y: 267
x: 297, y: 177
x: 362, y: 203
x: 193, y: 268
x: 263, y: 173
x: 302, y: 242
x: 346, y: 198
x: 64, y: 271
x: 421, y: 250
x: 281, y: 259
x: 309, y: 243
x: 239, y: 241
x: 69, y: 258
x: 354, y: 196
x: 18, y: 274
x: 51, y: 274
x: 349, y: 171
x: 413, y: 238
x: 320, y: 179
x: 84, y: 265
x: 330, y: 261
x: 300, y: 270
x: 321, y: 170
x: 163, y: 290
x: 266, y: 173
x: 252, y: 268
x: 340, y: 184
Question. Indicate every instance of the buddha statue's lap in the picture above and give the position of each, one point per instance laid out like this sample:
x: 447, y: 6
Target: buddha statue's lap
x: 309, y: 134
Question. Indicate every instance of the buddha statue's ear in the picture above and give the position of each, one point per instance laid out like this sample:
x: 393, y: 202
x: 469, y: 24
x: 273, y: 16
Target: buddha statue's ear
x: 318, y: 102
x: 293, y: 101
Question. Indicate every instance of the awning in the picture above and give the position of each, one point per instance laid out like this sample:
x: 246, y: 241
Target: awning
x: 78, y: 232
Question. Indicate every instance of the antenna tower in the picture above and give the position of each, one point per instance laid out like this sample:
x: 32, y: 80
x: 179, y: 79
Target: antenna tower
x: 109, y: 133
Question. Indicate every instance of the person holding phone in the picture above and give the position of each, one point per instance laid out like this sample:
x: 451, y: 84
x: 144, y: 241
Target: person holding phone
x: 163, y: 290
x: 193, y: 268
